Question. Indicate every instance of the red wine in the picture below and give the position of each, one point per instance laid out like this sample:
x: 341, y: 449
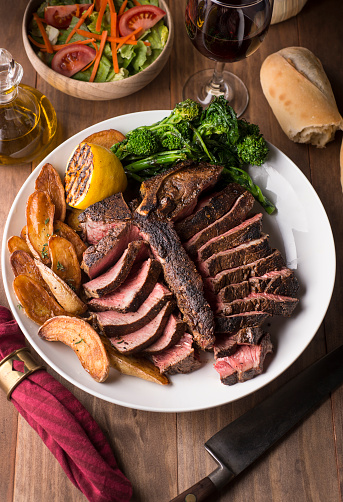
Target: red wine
x: 225, y: 33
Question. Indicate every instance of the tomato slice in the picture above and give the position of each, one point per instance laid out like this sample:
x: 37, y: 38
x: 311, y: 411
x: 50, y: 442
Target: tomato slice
x: 72, y: 59
x: 60, y: 16
x: 142, y: 16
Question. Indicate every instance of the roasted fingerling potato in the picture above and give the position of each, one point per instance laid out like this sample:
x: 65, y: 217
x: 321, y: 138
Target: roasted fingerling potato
x: 23, y: 263
x: 16, y: 243
x: 64, y: 230
x: 83, y: 339
x: 40, y: 224
x: 64, y: 261
x: 49, y: 181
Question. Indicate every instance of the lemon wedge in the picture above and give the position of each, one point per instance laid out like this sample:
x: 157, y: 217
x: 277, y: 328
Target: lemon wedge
x: 93, y: 173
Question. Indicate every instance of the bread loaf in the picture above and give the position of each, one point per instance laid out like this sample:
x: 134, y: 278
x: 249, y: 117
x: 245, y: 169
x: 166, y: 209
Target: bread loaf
x: 299, y: 93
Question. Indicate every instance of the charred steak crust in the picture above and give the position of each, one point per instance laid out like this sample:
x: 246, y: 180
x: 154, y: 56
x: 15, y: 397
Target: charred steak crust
x: 112, y: 208
x: 230, y: 219
x: 174, y: 193
x: 231, y: 323
x: 273, y: 261
x: 247, y: 231
x: 116, y: 275
x: 181, y: 276
x: 214, y: 208
x: 261, y: 302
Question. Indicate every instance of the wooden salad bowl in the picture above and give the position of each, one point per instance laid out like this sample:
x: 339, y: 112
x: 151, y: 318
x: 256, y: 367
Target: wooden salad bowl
x: 93, y: 90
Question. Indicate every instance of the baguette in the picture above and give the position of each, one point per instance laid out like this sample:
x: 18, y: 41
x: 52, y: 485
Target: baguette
x: 300, y: 95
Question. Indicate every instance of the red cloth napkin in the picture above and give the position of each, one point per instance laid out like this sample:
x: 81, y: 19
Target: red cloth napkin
x: 65, y: 426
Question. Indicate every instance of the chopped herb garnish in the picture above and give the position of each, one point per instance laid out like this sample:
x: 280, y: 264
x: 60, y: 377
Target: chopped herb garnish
x: 60, y: 266
x: 46, y: 221
x: 70, y: 284
x: 19, y: 306
x: 44, y: 251
x: 82, y: 340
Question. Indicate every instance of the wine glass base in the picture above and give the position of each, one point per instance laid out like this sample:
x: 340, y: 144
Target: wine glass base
x: 199, y: 88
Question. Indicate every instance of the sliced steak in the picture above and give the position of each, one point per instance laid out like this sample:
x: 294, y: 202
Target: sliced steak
x: 261, y: 302
x: 145, y: 336
x: 247, y: 231
x: 245, y: 363
x: 114, y: 324
x: 98, y: 258
x: 208, y: 210
x: 174, y: 193
x: 181, y: 358
x: 181, y: 276
x: 225, y: 345
x: 232, y: 323
x: 132, y: 293
x: 100, y: 217
x: 230, y: 219
x: 274, y: 261
x: 109, y: 281
x: 171, y: 335
x: 238, y: 256
x: 279, y: 282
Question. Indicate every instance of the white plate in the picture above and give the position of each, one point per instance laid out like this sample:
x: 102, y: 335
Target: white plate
x: 300, y: 230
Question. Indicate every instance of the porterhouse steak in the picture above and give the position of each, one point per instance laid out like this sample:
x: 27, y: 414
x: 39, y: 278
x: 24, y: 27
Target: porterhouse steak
x: 207, y: 280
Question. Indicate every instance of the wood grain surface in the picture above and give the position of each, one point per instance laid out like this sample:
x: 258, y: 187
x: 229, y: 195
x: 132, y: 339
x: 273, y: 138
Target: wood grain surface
x: 163, y: 454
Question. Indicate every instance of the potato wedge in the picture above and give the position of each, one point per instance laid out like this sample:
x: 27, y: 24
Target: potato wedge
x: 63, y: 293
x: 72, y: 219
x: 38, y: 305
x: 84, y: 341
x: 135, y: 366
x: 105, y: 138
x: 16, y: 243
x: 49, y: 181
x: 23, y: 263
x: 64, y: 261
x: 63, y: 230
x: 40, y: 224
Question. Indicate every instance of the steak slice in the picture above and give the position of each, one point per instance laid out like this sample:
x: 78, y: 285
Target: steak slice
x: 274, y: 261
x: 132, y: 293
x: 181, y: 276
x: 116, y: 275
x: 238, y: 256
x: 138, y: 340
x: 171, y: 335
x: 114, y: 324
x: 245, y: 363
x: 227, y: 345
x: 232, y: 323
x: 174, y: 193
x: 261, y: 302
x: 230, y: 219
x: 181, y: 358
x: 247, y: 231
x: 100, y: 217
x: 279, y: 282
x: 208, y: 210
x: 101, y: 256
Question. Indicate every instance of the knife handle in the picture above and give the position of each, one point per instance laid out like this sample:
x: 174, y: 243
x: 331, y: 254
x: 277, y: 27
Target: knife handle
x: 198, y: 492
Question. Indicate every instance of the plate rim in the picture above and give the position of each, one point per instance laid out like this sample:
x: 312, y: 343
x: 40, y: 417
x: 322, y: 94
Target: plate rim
x: 4, y: 256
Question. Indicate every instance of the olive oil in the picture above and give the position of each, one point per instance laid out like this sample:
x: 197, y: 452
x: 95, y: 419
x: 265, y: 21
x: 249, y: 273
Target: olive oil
x: 27, y: 119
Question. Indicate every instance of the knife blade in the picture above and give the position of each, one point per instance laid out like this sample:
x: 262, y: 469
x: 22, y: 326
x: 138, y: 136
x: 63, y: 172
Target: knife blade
x: 244, y: 440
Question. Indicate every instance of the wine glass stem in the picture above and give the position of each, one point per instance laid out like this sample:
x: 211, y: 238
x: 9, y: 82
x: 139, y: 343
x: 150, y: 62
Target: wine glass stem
x: 217, y: 86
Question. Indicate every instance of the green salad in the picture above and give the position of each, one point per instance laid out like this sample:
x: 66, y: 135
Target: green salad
x: 92, y: 41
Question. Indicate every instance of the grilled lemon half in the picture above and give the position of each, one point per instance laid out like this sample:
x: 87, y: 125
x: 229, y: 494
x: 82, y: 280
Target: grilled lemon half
x: 93, y: 173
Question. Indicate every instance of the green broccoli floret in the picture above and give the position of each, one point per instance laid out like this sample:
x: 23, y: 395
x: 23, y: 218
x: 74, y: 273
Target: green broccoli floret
x: 140, y: 142
x: 188, y: 110
x: 252, y: 150
x: 219, y: 118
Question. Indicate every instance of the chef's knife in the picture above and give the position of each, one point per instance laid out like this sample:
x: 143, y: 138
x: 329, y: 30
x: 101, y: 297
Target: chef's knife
x: 243, y: 441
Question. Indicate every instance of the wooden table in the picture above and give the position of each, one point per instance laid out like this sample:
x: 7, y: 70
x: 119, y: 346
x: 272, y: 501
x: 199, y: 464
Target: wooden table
x: 163, y: 454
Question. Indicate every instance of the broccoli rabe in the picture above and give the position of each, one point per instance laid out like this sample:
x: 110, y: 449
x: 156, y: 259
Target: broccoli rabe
x: 214, y: 134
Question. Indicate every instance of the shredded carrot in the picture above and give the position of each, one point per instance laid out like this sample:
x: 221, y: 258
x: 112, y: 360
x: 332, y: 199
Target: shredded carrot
x: 100, y: 15
x: 96, y: 36
x: 127, y: 38
x: 111, y: 6
x: 98, y: 56
x: 77, y: 10
x: 60, y: 46
x: 122, y: 8
x: 113, y: 44
x: 137, y: 4
x: 80, y: 21
x: 47, y: 42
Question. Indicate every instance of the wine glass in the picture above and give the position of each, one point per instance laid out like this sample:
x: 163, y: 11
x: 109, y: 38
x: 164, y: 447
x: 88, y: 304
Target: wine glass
x: 225, y: 31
